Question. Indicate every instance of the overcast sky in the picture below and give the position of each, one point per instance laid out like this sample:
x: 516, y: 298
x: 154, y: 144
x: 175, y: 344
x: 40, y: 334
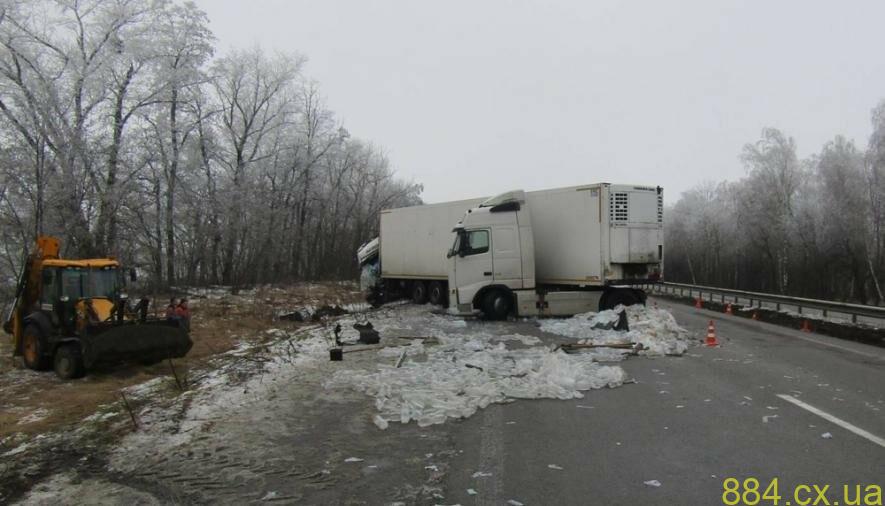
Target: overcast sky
x: 475, y: 98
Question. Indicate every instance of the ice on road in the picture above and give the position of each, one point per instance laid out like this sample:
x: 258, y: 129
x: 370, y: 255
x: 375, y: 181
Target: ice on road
x: 471, y: 368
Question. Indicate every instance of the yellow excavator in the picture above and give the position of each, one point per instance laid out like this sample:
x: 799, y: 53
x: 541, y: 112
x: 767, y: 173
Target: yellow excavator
x: 72, y: 314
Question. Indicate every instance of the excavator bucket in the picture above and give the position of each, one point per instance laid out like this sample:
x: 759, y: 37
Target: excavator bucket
x: 145, y: 342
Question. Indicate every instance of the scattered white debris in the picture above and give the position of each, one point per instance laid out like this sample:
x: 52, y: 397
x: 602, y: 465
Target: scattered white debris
x: 554, y: 466
x: 510, y: 423
x: 466, y: 373
x: 765, y: 419
x: 470, y: 491
x: 432, y: 467
x: 514, y: 502
x: 353, y: 459
x: 380, y: 422
x: 480, y: 474
x: 269, y: 496
x: 652, y: 483
x: 655, y: 329
x: 826, y: 435
x: 584, y: 407
x: 771, y: 407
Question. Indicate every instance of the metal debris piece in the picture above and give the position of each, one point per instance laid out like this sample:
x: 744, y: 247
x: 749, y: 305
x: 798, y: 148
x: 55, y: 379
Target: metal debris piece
x: 368, y: 334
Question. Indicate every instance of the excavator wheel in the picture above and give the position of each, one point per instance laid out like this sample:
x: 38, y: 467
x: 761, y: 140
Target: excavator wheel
x: 32, y: 348
x: 68, y: 363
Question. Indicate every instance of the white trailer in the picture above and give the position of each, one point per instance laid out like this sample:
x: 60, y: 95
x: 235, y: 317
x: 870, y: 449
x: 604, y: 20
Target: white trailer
x: 557, y: 252
x: 409, y: 257
x: 550, y: 252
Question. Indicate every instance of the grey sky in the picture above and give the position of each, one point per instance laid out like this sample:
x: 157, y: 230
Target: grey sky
x: 478, y: 97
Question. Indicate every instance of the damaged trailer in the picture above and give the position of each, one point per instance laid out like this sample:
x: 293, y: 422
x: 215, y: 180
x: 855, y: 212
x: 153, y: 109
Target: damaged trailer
x: 550, y: 252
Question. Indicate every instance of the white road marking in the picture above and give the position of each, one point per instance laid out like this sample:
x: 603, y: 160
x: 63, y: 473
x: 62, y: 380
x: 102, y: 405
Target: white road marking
x: 838, y: 421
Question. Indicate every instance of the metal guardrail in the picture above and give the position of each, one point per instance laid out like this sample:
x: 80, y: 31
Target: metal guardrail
x: 767, y: 300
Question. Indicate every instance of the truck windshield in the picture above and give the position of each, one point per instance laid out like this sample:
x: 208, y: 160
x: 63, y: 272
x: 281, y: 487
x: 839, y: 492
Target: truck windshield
x: 81, y: 283
x: 454, y: 250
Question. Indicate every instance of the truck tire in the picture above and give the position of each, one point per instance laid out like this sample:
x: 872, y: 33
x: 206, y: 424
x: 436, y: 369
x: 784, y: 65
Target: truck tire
x: 436, y: 293
x: 612, y: 298
x: 33, y: 348
x: 496, y: 305
x: 419, y: 292
x: 68, y: 362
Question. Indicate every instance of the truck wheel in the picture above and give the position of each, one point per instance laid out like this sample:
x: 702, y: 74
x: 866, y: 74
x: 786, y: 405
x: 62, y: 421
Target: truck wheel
x: 436, y: 294
x: 419, y: 292
x: 32, y: 348
x: 68, y: 363
x: 611, y: 299
x: 496, y: 305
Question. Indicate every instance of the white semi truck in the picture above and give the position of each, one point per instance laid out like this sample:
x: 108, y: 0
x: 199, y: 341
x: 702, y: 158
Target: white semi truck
x: 550, y: 252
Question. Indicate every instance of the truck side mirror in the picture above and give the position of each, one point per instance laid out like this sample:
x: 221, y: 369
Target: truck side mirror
x: 133, y: 276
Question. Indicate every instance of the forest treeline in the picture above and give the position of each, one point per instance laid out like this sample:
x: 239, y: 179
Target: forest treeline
x: 122, y: 133
x: 811, y: 227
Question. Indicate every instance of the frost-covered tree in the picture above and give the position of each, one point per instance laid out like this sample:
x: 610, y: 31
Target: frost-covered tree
x: 121, y: 134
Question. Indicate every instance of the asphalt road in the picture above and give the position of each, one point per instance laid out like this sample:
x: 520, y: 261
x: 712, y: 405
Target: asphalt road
x: 690, y: 423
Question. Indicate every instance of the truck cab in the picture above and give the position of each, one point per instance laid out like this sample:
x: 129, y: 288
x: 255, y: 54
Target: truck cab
x: 557, y: 252
x: 493, y: 251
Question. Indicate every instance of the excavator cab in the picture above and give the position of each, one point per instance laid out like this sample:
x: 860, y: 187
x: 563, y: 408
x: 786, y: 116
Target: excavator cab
x: 72, y: 314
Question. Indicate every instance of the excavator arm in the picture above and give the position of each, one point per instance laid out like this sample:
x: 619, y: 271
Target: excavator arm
x: 27, y: 290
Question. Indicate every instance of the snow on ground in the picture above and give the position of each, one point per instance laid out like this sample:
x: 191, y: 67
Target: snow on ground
x: 655, y: 329
x: 451, y: 368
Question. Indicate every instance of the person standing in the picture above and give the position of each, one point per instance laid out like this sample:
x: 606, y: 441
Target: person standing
x: 170, y: 309
x: 183, y: 313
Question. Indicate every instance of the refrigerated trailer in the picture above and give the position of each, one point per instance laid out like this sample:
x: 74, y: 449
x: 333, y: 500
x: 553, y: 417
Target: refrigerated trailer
x: 550, y: 252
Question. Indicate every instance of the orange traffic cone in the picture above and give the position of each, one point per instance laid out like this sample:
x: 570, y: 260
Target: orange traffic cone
x: 805, y: 326
x: 711, y: 335
x: 728, y: 309
x: 755, y: 315
x: 697, y: 303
